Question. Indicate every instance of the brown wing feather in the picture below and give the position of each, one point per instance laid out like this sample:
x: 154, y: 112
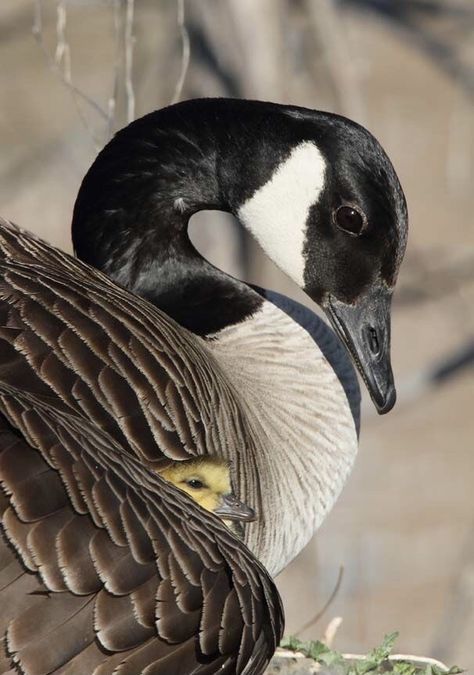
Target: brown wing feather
x: 104, y: 567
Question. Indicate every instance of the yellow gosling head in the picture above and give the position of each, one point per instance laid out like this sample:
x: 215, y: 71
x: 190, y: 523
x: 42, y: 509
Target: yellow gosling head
x: 207, y: 481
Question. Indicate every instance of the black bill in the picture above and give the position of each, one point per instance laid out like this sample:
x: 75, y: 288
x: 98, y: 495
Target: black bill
x: 231, y: 508
x: 364, y: 327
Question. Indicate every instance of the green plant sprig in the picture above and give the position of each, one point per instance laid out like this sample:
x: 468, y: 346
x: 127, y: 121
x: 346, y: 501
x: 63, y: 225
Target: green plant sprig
x: 376, y: 661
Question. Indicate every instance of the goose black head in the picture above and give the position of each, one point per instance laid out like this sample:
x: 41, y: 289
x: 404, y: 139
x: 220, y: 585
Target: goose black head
x: 333, y: 216
x: 315, y: 189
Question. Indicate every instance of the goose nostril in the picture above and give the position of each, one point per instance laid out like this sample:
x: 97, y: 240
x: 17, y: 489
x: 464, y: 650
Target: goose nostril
x: 373, y: 339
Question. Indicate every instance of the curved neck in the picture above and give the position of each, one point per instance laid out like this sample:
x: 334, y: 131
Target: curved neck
x: 132, y: 212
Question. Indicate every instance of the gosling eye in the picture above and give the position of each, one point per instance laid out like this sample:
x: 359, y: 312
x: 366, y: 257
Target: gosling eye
x: 351, y: 220
x: 195, y: 483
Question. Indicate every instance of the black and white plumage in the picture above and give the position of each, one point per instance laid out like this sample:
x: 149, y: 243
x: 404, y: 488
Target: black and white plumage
x: 286, y: 173
x: 292, y: 176
x: 98, y: 387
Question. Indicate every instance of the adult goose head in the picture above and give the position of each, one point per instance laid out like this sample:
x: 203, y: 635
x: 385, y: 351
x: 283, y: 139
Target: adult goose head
x: 322, y: 198
x: 316, y: 190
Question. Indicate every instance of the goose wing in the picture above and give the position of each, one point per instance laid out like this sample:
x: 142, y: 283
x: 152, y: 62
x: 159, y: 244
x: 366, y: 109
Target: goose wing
x: 110, y: 356
x: 104, y: 567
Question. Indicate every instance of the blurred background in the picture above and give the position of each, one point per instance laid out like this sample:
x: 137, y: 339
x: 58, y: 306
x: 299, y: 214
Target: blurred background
x: 73, y: 71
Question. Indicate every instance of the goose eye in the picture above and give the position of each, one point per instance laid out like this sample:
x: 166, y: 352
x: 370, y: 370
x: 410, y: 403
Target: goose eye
x: 195, y: 483
x: 350, y: 220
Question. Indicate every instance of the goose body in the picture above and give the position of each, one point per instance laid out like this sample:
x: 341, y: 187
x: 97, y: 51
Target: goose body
x: 99, y: 389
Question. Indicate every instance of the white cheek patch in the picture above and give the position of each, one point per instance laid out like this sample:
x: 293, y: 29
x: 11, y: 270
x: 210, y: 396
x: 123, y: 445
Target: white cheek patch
x: 276, y: 214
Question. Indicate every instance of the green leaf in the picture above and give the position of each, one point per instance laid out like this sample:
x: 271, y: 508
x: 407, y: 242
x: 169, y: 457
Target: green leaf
x: 381, y: 653
x: 314, y: 649
x: 404, y: 668
x: 377, y: 656
x: 291, y: 642
x: 376, y: 660
x: 321, y: 653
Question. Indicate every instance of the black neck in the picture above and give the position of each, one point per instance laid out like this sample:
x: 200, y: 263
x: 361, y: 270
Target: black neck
x: 132, y: 212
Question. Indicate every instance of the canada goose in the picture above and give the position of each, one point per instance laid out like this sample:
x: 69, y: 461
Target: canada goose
x: 322, y: 198
x: 98, y: 388
x: 207, y: 480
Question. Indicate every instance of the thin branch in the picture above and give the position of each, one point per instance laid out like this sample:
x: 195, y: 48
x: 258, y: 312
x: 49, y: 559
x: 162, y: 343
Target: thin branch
x: 326, y: 606
x: 121, y: 103
x: 60, y: 63
x: 129, y: 44
x: 38, y: 35
x: 185, y: 54
x: 112, y: 102
x: 331, y: 630
x: 62, y: 55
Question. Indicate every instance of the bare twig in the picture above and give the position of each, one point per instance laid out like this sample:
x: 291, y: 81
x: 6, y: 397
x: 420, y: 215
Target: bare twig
x: 185, y: 54
x: 37, y: 31
x: 121, y: 104
x: 326, y: 606
x: 331, y: 630
x: 60, y: 63
x: 129, y: 44
x: 112, y: 102
x: 62, y: 55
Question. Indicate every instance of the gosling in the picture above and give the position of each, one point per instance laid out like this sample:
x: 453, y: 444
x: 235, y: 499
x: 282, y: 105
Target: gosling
x: 207, y: 481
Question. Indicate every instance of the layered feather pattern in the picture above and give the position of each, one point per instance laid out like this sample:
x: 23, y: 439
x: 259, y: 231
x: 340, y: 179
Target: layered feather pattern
x: 104, y: 567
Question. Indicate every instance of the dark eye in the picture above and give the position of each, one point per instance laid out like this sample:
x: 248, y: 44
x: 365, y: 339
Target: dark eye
x: 350, y: 220
x: 195, y: 483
